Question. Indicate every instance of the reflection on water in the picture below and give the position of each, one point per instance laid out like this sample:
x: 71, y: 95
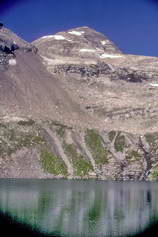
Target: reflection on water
x: 81, y: 208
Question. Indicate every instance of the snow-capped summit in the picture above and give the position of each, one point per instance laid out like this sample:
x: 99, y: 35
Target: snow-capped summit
x: 82, y: 42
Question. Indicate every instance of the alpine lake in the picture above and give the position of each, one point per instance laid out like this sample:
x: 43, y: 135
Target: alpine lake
x: 77, y: 208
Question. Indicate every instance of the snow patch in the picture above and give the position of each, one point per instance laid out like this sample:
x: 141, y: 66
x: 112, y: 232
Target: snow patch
x: 12, y: 62
x: 110, y: 56
x: 57, y: 37
x: 153, y: 84
x: 103, y: 42
x: 47, y: 37
x: 87, y: 50
x: 78, y: 33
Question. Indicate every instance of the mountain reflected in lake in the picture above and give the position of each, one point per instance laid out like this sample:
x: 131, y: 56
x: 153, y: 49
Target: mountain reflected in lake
x: 81, y: 208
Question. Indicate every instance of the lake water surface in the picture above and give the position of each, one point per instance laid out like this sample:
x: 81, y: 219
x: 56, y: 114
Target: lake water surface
x: 81, y: 208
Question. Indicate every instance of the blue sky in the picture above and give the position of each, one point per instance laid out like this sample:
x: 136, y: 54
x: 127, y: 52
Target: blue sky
x: 131, y: 24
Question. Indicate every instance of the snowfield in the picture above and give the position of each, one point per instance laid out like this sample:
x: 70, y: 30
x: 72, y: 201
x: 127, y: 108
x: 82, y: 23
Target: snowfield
x: 12, y: 62
x: 110, y: 56
x: 57, y: 37
x: 78, y: 33
x: 153, y: 84
x: 103, y: 42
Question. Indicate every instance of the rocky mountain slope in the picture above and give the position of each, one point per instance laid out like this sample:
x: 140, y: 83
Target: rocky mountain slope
x: 73, y: 105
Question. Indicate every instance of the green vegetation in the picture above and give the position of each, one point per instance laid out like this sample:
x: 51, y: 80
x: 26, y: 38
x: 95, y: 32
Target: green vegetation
x: 154, y: 173
x: 120, y: 143
x: 81, y: 166
x: 14, y: 137
x: 94, y: 142
x: 52, y: 164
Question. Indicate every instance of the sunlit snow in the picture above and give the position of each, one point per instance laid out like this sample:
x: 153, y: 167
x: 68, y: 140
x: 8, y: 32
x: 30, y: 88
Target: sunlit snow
x: 110, y: 56
x: 103, y: 42
x: 12, y: 62
x: 78, y: 33
x: 57, y: 37
x: 47, y: 37
x: 154, y: 84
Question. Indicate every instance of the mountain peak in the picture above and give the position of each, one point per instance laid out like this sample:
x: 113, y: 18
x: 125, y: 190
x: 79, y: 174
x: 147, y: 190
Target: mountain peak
x: 81, y: 42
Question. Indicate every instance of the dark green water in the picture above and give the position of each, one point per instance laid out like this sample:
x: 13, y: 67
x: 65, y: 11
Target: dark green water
x: 81, y: 208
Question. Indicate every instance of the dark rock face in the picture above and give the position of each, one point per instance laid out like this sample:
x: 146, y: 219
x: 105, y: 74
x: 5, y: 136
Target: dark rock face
x: 9, y: 43
x: 130, y: 75
x: 7, y: 49
x: 87, y: 71
x: 102, y: 69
